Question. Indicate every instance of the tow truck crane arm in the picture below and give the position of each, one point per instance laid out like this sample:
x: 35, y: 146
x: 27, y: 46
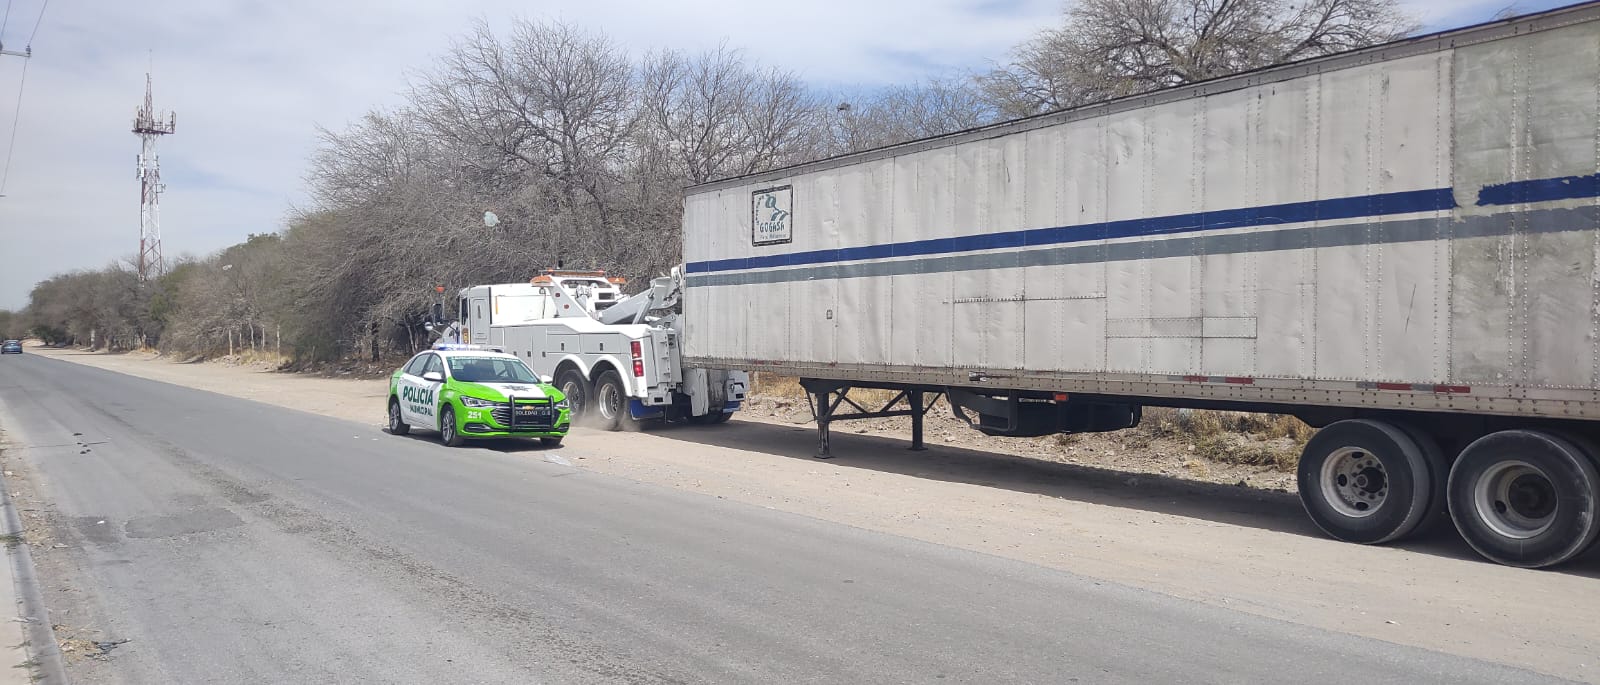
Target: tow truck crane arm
x: 662, y: 294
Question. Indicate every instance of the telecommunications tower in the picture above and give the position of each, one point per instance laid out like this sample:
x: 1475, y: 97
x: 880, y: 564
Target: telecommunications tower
x: 149, y: 125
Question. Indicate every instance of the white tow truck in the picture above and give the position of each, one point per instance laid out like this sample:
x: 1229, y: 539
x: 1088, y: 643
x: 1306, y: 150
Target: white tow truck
x: 617, y: 358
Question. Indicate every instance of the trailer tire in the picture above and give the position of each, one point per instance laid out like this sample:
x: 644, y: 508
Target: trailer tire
x: 571, y: 383
x: 1438, y: 474
x: 1365, y: 481
x: 1526, y: 497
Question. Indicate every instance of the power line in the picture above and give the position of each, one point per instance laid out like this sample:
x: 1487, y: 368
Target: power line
x: 22, y: 82
x: 16, y: 118
x: 36, y: 23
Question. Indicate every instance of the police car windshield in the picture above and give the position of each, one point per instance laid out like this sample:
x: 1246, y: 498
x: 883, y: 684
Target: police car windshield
x: 490, y: 370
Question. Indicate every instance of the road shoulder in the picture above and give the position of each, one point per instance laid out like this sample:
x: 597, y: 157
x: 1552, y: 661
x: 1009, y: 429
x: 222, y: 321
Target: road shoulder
x: 29, y: 650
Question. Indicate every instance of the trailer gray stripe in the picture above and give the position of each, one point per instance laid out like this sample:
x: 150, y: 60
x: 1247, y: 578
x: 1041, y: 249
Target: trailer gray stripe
x: 1401, y: 231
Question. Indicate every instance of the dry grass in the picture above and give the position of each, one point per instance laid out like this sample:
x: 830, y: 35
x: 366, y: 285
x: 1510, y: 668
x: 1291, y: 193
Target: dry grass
x: 1200, y: 423
x: 773, y: 386
x: 1233, y: 437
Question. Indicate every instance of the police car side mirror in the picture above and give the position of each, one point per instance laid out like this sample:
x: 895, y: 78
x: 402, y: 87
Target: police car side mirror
x: 546, y: 380
x: 433, y: 377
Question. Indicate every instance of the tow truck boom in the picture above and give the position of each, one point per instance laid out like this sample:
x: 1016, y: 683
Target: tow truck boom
x: 662, y: 294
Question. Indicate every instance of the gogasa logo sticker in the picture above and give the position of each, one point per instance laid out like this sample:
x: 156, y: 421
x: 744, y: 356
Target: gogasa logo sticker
x: 772, y: 216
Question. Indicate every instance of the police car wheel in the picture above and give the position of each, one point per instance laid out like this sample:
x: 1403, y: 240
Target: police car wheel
x: 447, y: 429
x: 397, y: 425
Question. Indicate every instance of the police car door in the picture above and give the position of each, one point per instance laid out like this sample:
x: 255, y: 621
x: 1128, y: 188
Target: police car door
x: 417, y: 395
x: 406, y: 388
x: 431, y: 391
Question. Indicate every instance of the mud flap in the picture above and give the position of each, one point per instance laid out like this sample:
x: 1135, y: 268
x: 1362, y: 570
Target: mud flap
x: 640, y: 411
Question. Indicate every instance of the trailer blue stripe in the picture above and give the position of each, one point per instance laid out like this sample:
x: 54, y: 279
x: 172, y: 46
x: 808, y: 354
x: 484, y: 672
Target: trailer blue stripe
x: 1272, y: 215
x: 1540, y: 190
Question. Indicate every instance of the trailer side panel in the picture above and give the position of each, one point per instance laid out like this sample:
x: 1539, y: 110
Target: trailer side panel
x: 1411, y: 228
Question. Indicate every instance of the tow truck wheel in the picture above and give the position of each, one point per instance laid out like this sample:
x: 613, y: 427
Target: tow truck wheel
x: 447, y: 429
x: 572, y: 384
x: 611, y: 404
x: 1365, y: 481
x: 397, y: 425
x: 1526, y: 497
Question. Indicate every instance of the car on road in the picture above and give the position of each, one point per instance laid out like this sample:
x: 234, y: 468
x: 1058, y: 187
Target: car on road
x: 466, y: 391
x: 11, y: 347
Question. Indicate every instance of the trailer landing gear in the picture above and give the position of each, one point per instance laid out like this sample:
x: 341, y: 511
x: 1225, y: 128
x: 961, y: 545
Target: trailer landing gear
x: 827, y: 396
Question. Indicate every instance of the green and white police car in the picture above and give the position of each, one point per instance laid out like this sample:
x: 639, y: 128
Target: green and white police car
x: 466, y: 391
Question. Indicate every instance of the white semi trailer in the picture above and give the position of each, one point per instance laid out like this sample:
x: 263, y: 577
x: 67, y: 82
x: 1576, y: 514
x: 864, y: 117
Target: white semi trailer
x: 1399, y: 245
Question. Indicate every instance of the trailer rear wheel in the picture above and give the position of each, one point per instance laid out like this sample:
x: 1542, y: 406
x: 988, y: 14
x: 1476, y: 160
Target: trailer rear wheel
x: 1526, y: 497
x: 1365, y: 481
x: 1438, y: 474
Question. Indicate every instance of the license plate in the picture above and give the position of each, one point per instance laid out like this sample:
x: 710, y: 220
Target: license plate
x: 538, y: 412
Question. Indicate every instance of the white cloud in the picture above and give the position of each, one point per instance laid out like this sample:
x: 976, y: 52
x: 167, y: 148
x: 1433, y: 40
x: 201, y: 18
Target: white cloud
x: 251, y: 80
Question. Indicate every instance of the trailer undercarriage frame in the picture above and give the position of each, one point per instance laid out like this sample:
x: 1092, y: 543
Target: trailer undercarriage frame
x: 827, y: 397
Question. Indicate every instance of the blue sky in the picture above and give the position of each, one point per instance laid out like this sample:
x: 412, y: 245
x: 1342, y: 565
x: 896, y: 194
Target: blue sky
x: 250, y: 82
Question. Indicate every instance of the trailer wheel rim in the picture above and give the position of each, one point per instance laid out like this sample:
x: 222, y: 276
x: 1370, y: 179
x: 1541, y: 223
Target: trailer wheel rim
x: 610, y: 401
x: 1354, y: 482
x: 1516, y: 499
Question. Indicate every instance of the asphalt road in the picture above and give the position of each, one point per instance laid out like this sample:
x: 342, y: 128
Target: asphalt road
x: 235, y: 542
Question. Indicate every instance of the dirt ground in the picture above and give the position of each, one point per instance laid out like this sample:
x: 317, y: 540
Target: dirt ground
x: 1089, y: 507
x: 1128, y: 451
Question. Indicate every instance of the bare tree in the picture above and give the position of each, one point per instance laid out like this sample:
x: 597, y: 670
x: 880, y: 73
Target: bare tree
x: 716, y: 115
x: 1111, y: 48
x: 900, y: 113
x: 581, y: 152
x: 381, y: 149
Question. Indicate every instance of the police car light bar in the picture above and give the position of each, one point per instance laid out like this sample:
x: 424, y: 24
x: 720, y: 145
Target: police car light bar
x: 459, y: 347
